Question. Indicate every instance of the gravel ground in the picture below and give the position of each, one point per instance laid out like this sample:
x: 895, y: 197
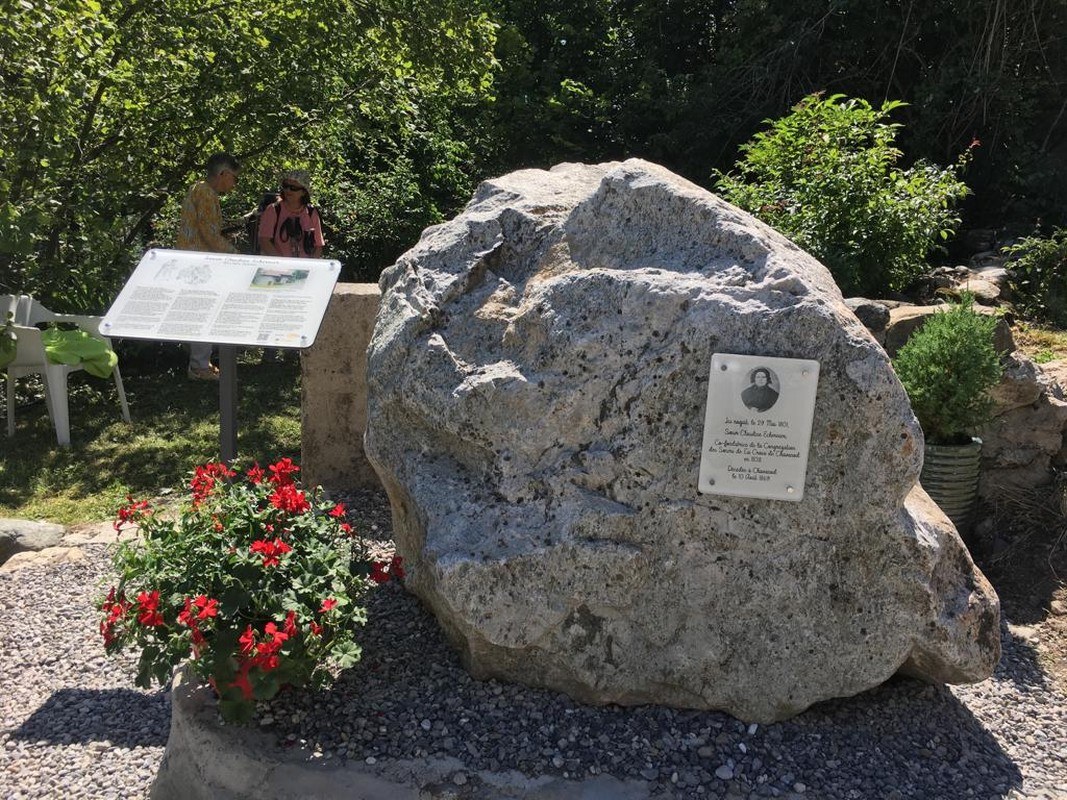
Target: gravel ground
x: 72, y: 725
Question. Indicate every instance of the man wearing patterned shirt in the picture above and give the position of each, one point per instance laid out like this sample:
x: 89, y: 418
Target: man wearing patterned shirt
x: 201, y: 229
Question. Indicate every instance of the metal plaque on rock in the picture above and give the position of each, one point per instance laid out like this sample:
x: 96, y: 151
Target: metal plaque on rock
x: 757, y: 426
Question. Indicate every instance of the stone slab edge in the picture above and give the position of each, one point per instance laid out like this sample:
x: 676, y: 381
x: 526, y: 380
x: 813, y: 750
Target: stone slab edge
x: 208, y: 760
x: 333, y: 398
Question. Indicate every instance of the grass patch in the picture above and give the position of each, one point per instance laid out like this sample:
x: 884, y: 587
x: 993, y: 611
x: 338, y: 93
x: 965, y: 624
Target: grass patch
x: 1040, y: 344
x: 175, y: 426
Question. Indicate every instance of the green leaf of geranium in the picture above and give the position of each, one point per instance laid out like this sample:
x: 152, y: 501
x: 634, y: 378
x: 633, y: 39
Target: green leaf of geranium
x: 346, y: 654
x: 233, y: 600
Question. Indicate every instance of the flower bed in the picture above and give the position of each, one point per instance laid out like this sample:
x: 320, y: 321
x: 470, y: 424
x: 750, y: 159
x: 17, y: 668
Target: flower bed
x: 257, y: 582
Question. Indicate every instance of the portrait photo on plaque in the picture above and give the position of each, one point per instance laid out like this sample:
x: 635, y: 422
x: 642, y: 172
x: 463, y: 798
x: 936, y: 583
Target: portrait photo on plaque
x: 757, y: 426
x: 763, y: 390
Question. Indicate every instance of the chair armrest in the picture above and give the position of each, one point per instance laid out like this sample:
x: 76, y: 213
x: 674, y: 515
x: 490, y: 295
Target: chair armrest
x: 29, y: 349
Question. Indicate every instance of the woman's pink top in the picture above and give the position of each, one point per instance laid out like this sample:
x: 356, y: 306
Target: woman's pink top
x: 271, y: 227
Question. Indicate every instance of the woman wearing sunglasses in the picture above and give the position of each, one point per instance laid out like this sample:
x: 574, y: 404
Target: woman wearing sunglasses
x: 291, y: 227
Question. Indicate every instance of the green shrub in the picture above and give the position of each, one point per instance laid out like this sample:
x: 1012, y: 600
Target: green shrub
x: 947, y: 368
x: 826, y: 176
x: 1039, y: 276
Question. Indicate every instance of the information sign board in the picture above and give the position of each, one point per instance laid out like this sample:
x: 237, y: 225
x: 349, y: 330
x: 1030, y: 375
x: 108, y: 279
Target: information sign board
x: 187, y: 296
x: 757, y: 426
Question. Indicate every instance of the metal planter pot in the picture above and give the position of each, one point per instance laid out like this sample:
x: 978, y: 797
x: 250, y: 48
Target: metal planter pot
x: 950, y: 476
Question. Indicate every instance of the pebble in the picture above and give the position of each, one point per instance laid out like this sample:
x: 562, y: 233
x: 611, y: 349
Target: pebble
x: 79, y: 728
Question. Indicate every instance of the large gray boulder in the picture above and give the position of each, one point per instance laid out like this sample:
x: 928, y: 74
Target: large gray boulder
x: 537, y: 381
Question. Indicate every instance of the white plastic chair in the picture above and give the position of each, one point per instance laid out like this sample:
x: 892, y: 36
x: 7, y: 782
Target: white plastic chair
x: 30, y: 359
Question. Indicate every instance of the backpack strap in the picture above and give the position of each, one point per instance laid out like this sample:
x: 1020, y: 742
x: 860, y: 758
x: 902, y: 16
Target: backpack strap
x: 312, y: 210
x: 277, y: 219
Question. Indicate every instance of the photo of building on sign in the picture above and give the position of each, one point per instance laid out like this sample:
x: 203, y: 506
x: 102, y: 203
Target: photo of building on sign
x: 274, y: 278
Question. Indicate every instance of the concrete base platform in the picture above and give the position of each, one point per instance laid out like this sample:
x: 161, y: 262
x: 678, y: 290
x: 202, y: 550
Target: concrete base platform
x: 207, y: 760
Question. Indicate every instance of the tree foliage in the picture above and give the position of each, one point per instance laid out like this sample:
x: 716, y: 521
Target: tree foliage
x: 118, y: 106
x: 827, y: 175
x: 399, y: 107
x: 686, y: 82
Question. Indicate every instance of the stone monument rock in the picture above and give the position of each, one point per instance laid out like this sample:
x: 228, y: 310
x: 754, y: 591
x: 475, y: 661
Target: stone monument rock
x: 537, y: 382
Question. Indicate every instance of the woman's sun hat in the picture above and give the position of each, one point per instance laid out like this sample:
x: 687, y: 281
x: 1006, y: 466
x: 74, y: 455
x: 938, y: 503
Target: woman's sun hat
x: 300, y: 176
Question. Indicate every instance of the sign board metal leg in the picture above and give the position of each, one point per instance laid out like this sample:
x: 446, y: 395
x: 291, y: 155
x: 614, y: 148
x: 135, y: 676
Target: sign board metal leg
x: 227, y: 403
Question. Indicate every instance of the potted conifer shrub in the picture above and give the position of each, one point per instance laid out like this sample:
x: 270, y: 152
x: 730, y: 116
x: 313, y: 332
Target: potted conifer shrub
x: 948, y: 368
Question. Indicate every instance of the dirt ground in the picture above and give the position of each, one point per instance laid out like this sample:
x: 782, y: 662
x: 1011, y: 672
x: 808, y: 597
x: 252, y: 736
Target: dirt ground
x: 1021, y: 546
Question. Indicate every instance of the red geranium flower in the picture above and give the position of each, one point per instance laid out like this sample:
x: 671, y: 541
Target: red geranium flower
x: 256, y: 474
x: 116, y: 606
x: 242, y: 683
x: 132, y: 511
x: 204, y: 478
x: 338, y: 511
x: 271, y: 551
x: 148, y: 609
x: 267, y: 650
x: 186, y: 616
x: 207, y: 607
x: 248, y: 640
x: 290, y: 625
x: 327, y: 604
x: 268, y: 662
x: 289, y: 499
x: 277, y: 636
x: 282, y: 472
